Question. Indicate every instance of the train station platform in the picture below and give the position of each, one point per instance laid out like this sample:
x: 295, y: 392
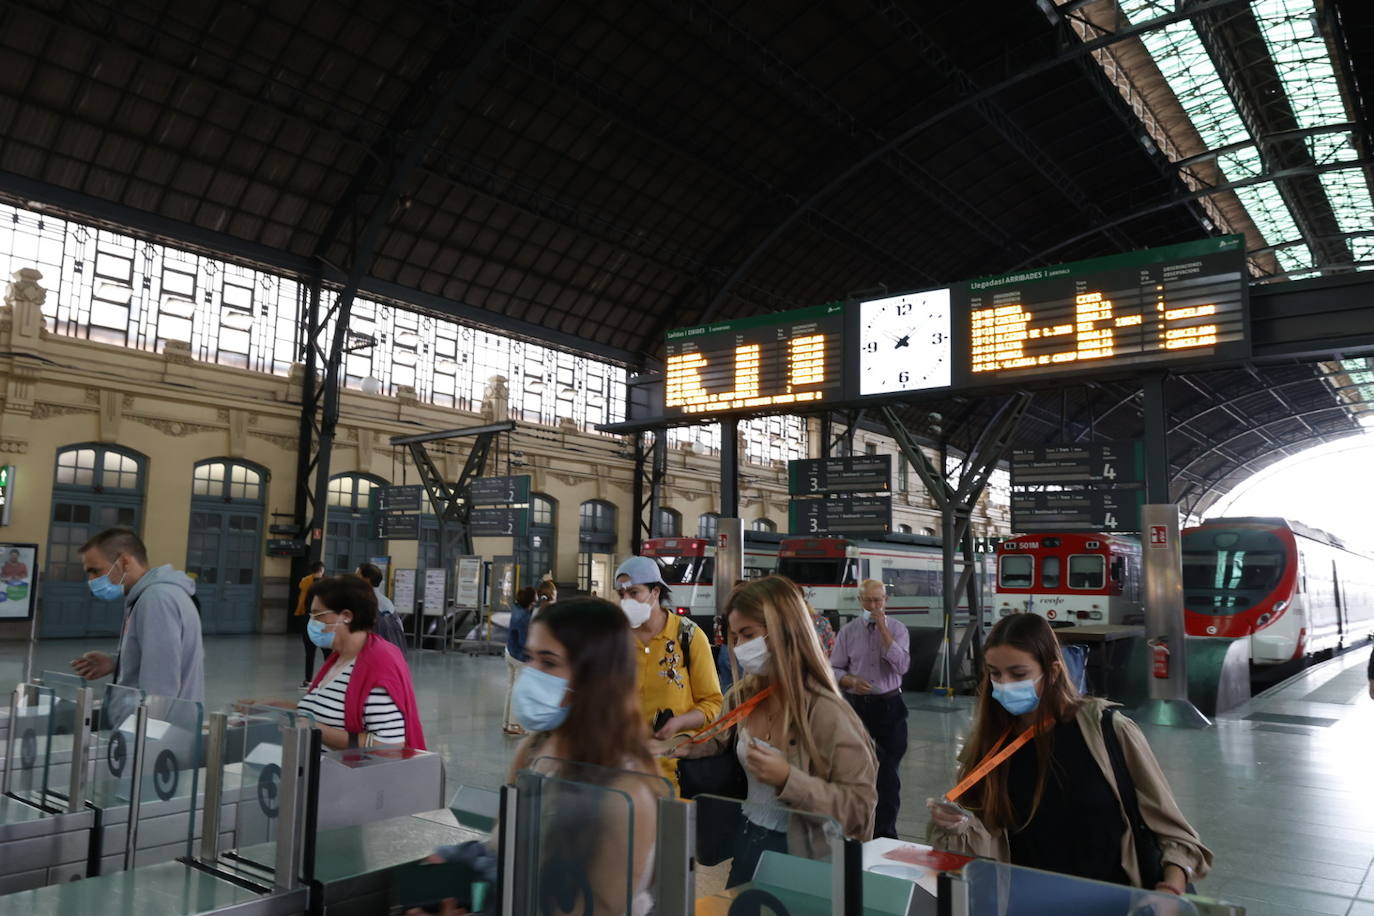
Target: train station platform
x: 1277, y: 788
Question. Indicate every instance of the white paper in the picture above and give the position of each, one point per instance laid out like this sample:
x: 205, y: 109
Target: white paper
x: 403, y: 591
x: 435, y: 580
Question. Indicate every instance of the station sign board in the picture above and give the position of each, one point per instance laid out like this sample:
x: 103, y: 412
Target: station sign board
x: 1105, y: 509
x: 497, y: 491
x: 398, y: 527
x: 497, y: 523
x: 407, y: 498
x: 842, y: 515
x: 1097, y: 463
x: 853, y: 474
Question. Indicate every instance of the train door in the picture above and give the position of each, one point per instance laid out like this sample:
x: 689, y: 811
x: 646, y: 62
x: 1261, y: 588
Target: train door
x: 1338, y: 596
x: 225, y: 543
x: 94, y: 488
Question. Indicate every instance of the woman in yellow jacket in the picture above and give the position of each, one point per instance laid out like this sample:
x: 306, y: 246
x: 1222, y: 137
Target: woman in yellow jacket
x: 303, y: 592
x: 1054, y: 802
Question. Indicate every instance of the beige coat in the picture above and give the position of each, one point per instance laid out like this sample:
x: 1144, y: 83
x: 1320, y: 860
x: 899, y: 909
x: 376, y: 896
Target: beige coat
x: 1178, y: 841
x: 839, y: 783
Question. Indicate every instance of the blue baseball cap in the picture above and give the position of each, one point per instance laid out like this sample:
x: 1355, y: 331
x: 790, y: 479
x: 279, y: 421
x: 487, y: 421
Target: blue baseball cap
x: 641, y: 570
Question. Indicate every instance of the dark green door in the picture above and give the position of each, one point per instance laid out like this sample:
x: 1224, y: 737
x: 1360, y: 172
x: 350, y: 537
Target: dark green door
x: 225, y: 545
x: 94, y: 488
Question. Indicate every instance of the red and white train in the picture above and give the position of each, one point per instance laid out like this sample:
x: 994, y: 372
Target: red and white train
x: 829, y: 570
x: 1291, y: 590
x: 688, y: 565
x: 1070, y: 578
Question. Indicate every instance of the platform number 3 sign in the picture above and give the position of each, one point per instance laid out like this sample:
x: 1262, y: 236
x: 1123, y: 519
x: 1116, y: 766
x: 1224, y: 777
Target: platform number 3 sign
x: 1159, y: 536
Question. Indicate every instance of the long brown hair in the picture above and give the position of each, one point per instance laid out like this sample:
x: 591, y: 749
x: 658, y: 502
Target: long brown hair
x: 603, y: 725
x: 1059, y: 702
x: 798, y: 668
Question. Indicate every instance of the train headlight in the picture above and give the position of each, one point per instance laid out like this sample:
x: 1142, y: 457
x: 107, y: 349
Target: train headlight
x: 1264, y: 618
x: 1097, y: 615
x: 1279, y: 607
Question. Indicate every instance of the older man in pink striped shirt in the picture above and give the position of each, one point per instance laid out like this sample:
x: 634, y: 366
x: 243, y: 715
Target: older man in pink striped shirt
x: 870, y: 657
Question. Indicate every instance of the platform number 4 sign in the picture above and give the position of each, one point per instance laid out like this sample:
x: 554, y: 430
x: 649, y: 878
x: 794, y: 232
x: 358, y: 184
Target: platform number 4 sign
x: 1159, y: 536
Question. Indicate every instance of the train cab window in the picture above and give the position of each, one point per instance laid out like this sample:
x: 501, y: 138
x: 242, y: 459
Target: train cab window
x: 1016, y: 571
x: 1087, y: 570
x: 812, y: 571
x: 1049, y: 572
x: 687, y: 570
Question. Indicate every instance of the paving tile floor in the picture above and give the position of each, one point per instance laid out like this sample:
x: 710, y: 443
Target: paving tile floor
x: 1276, y: 788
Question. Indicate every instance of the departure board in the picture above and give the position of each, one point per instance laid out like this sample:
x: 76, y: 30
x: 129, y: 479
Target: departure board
x: 1162, y: 306
x: 778, y: 362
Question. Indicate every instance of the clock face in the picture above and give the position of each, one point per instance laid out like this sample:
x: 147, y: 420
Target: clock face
x: 904, y: 343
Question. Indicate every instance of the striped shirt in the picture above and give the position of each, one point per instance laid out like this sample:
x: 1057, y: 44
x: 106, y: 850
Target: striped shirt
x: 381, y: 718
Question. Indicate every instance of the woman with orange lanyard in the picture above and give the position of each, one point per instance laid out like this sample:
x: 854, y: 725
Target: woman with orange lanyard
x: 801, y: 745
x: 1037, y: 782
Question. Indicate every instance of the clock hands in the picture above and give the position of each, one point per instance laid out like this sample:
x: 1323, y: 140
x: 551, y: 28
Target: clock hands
x: 902, y: 342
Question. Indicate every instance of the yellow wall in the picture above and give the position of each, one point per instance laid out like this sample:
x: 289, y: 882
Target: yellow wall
x: 59, y: 391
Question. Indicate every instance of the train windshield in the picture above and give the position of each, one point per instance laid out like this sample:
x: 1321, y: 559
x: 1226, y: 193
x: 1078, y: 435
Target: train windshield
x: 1229, y: 572
x: 1017, y: 571
x: 687, y: 570
x: 817, y: 571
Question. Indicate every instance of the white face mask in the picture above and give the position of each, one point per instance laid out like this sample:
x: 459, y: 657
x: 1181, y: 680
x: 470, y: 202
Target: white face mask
x: 753, y: 655
x: 636, y: 611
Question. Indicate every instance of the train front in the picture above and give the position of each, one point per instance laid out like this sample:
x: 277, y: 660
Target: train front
x: 1239, y: 580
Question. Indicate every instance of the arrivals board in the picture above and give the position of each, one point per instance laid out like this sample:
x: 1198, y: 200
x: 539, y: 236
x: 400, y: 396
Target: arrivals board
x: 405, y: 498
x: 495, y: 491
x: 1106, y: 509
x: 398, y: 527
x: 852, y: 474
x: 1158, y: 307
x: 842, y: 514
x: 777, y: 363
x: 1104, y: 462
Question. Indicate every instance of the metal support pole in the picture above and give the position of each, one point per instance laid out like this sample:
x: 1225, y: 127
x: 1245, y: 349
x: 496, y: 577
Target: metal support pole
x: 674, y: 887
x: 639, y: 524
x: 136, y: 793
x: 15, y: 702
x: 1163, y: 565
x: 214, y: 787
x: 1156, y: 440
x: 729, y: 468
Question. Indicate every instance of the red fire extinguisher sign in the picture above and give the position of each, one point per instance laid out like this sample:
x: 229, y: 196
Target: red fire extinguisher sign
x: 1159, y: 659
x: 1159, y: 536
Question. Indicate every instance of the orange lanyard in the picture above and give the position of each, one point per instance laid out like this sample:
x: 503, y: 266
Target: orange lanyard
x: 731, y: 717
x: 993, y: 760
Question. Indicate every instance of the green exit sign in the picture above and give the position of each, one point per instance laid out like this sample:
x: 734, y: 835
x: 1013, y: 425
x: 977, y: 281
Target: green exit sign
x: 6, y: 492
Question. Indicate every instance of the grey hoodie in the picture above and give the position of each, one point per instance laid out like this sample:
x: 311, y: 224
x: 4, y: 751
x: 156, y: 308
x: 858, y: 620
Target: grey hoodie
x: 160, y: 652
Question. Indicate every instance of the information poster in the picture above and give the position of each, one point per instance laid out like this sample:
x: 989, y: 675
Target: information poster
x: 468, y: 586
x: 435, y: 582
x: 18, y: 572
x: 403, y: 591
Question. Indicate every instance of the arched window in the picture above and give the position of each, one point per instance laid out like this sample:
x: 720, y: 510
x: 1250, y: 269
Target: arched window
x: 708, y: 525
x: 903, y: 529
x: 668, y: 524
x: 596, y: 520
x: 231, y: 481
x: 763, y: 524
x: 353, y: 491
x: 99, y: 468
x: 928, y: 532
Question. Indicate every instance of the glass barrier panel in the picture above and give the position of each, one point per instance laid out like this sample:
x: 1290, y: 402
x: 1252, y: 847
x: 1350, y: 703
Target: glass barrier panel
x: 763, y: 857
x: 559, y: 870
x: 112, y: 778
x: 173, y: 754
x: 30, y: 743
x: 999, y: 889
x: 62, y: 725
x: 476, y: 808
x: 251, y: 777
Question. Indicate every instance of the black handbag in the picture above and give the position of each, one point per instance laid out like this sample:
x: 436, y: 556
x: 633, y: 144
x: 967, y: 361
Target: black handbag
x: 1148, y: 857
x: 718, y: 821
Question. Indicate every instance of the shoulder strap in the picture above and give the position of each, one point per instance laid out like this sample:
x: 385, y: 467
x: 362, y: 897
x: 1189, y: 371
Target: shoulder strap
x: 1125, y: 786
x: 684, y: 635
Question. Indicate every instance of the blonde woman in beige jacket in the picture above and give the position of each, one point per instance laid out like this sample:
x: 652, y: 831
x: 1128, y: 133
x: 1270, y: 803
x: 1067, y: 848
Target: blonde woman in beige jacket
x: 801, y: 745
x: 1054, y: 803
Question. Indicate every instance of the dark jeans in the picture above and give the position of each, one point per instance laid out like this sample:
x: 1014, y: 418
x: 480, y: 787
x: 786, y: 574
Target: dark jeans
x: 885, y: 719
x: 750, y: 844
x: 310, y: 650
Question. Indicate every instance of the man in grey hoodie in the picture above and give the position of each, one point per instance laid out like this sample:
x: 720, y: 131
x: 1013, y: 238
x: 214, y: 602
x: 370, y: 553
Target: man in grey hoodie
x: 160, y: 650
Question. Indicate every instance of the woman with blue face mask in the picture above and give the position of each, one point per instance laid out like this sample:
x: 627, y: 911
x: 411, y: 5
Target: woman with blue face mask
x: 1037, y: 785
x: 576, y: 697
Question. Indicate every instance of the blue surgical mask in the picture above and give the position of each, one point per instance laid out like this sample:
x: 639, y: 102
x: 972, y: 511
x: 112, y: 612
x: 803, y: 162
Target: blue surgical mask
x: 537, y: 700
x: 1017, y: 697
x: 104, y: 589
x: 319, y: 635
x: 866, y: 615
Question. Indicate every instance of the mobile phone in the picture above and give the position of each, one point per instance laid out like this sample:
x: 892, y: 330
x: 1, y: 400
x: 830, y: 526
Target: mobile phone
x: 661, y: 719
x: 951, y: 808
